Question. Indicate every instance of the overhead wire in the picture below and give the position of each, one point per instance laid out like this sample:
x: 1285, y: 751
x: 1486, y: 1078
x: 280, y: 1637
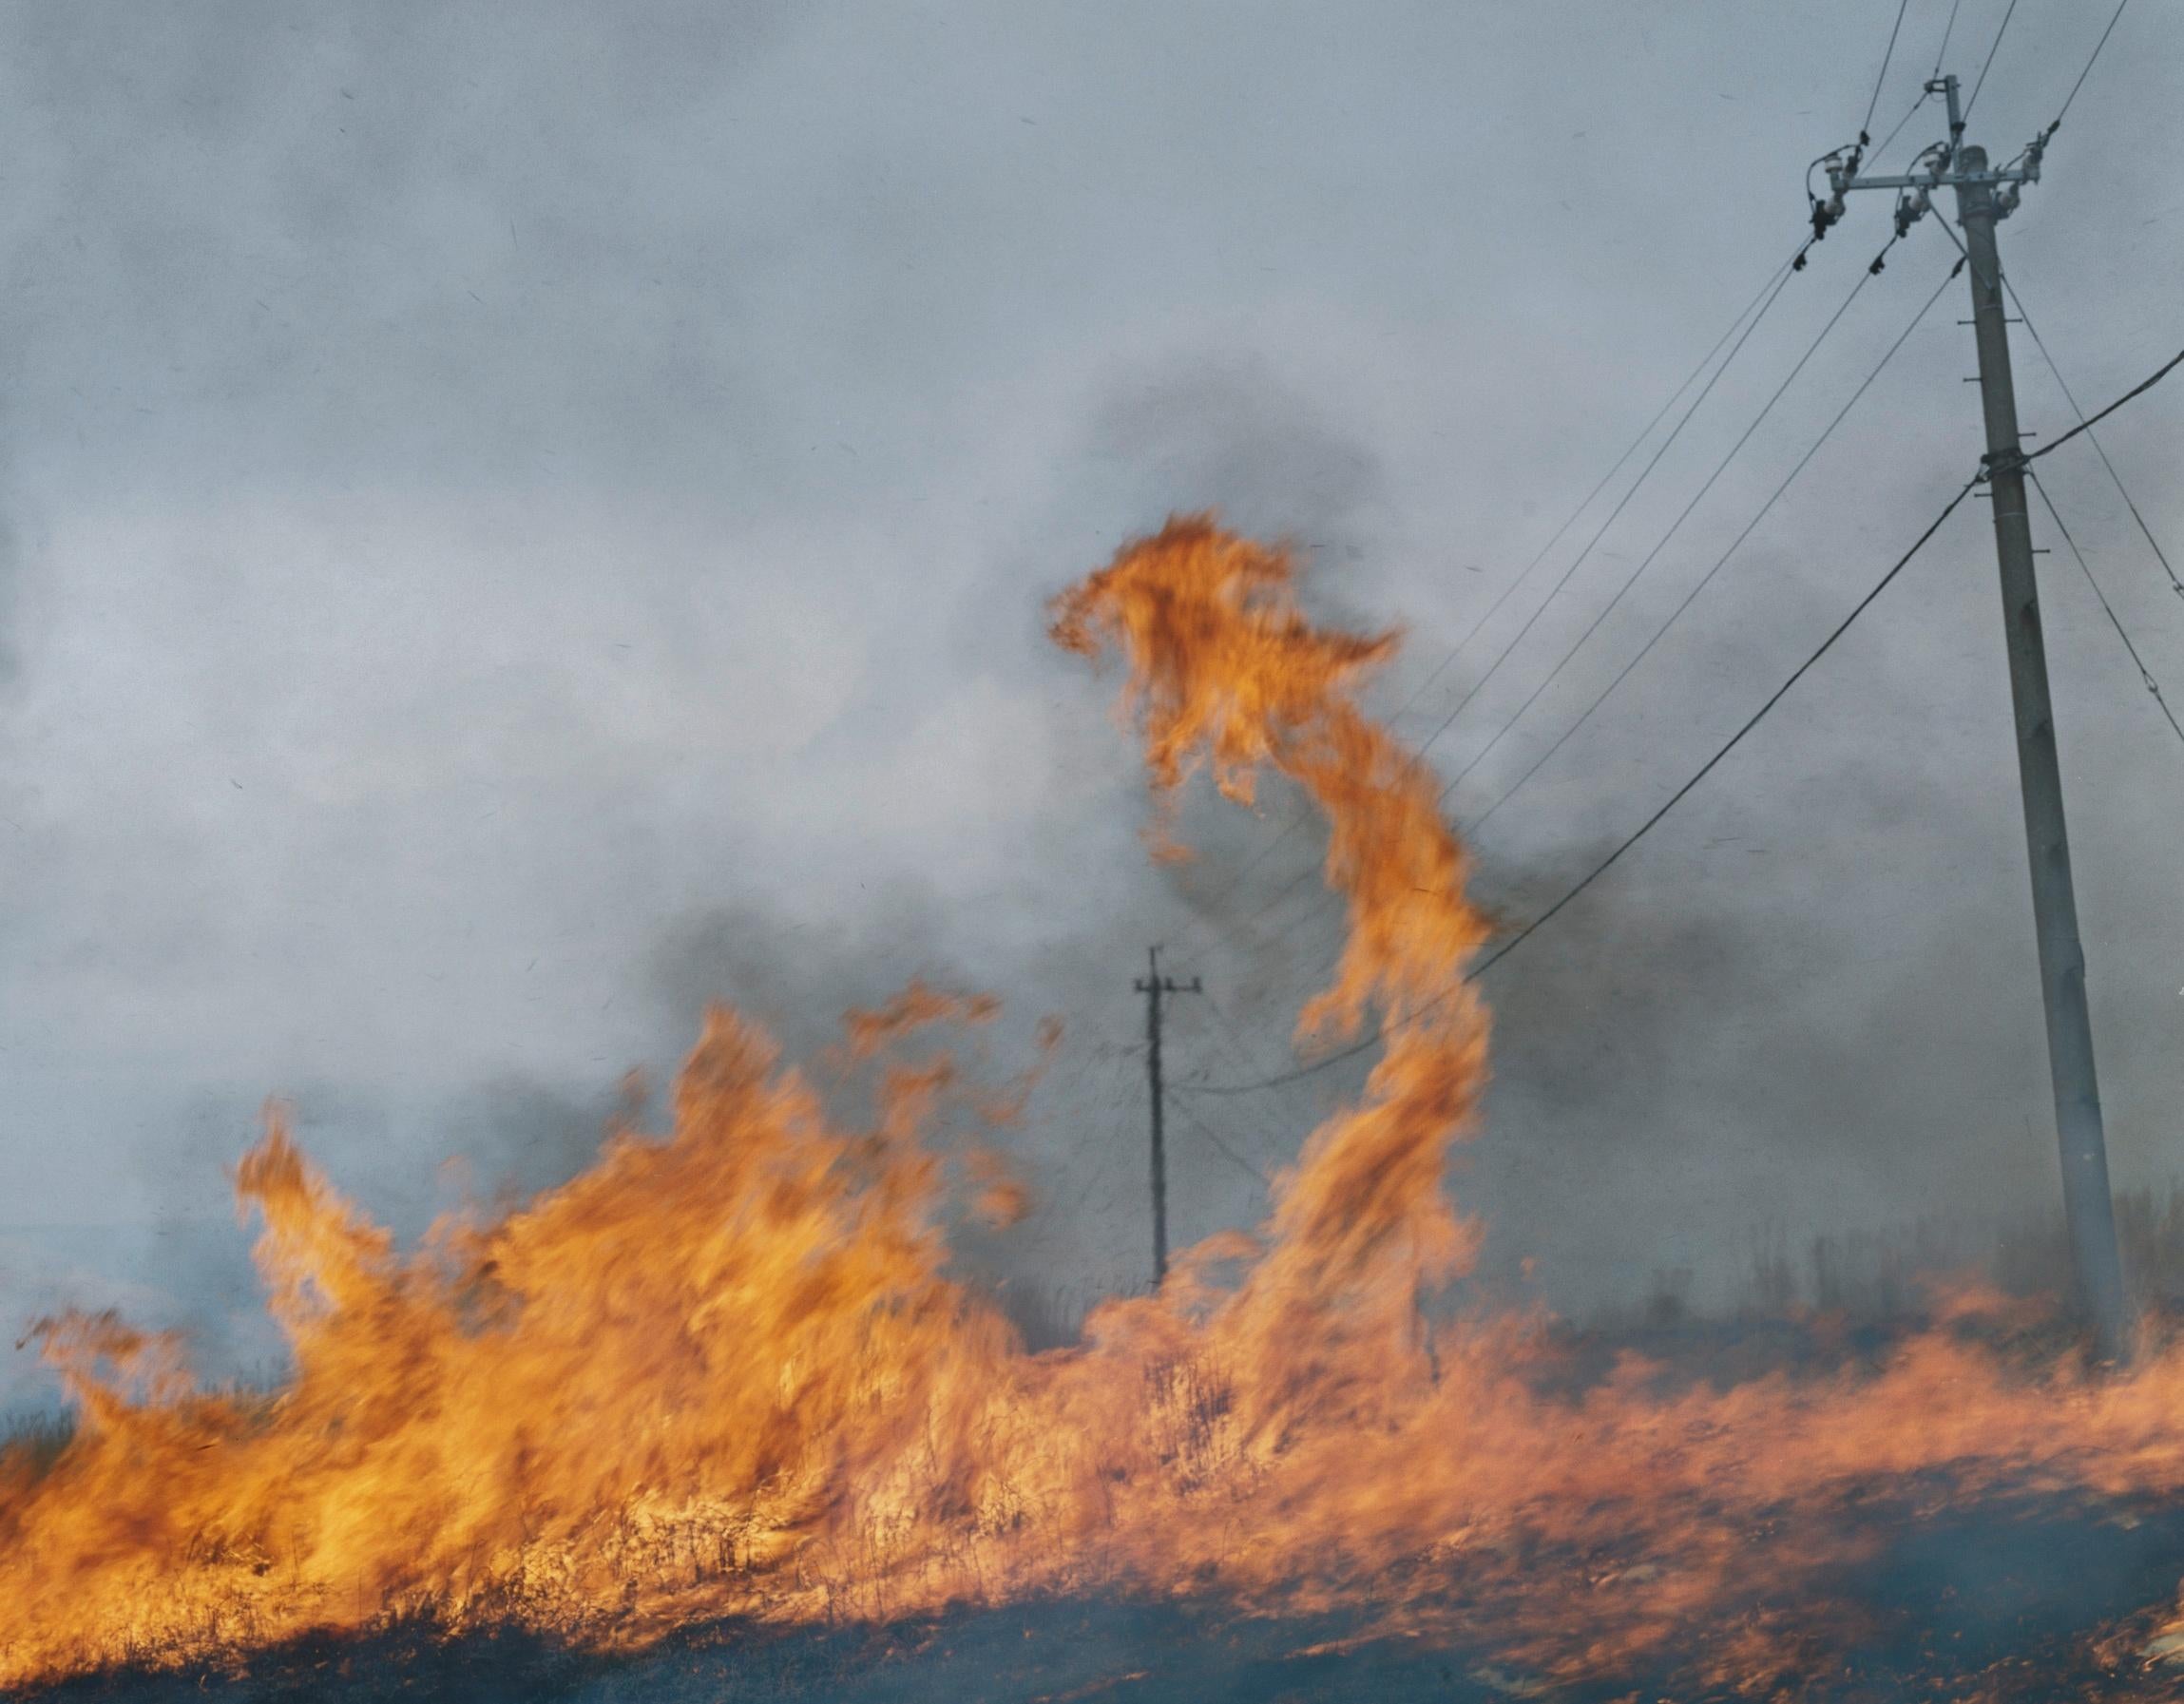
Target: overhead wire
x: 1993, y: 48
x: 1948, y: 29
x: 2084, y: 71
x: 1767, y: 291
x: 1302, y: 875
x: 1736, y: 544
x: 1221, y: 1147
x: 1926, y: 93
x: 1882, y: 75
x: 1104, y: 1098
x: 1923, y: 96
x: 1965, y: 254
x: 1770, y: 293
x: 1643, y: 829
x: 2143, y: 385
x: 1707, y: 768
x: 1772, y: 296
x: 1674, y: 526
x: 2114, y: 17
x: 1765, y: 296
x: 2145, y: 675
x: 2008, y: 284
x: 1228, y: 1035
x: 1598, y: 869
x: 1571, y: 520
x: 1873, y: 102
x: 2062, y: 384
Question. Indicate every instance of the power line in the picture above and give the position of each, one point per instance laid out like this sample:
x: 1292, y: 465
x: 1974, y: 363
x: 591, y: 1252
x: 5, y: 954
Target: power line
x: 2145, y: 675
x: 1962, y: 491
x: 2147, y: 532
x: 2055, y: 124
x: 1645, y: 432
x: 1882, y: 75
x: 1221, y: 1147
x: 1457, y: 649
x: 1774, y: 281
x: 1689, y: 597
x: 1287, y: 1077
x: 1302, y: 875
x: 1283, y: 892
x: 2089, y: 64
x: 1967, y: 253
x: 1102, y: 1099
x: 1769, y: 294
x: 1948, y: 29
x: 1229, y: 1035
x: 1676, y: 431
x: 1674, y: 798
x: 2040, y: 142
x: 1523, y: 934
x: 1633, y: 578
x: 1992, y: 49
x: 2143, y: 385
x: 1923, y: 96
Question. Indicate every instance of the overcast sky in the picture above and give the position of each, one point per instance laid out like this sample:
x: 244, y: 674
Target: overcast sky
x: 519, y: 520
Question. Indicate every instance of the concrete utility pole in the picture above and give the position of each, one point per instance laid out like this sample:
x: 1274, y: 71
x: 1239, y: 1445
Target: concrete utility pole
x: 1153, y: 987
x: 1984, y: 197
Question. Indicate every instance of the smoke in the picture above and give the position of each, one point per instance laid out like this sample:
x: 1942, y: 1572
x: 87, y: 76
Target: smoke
x: 797, y: 977
x: 1078, y: 1145
x: 491, y: 498
x: 515, y: 1133
x: 1229, y: 432
x: 10, y: 583
x: 1810, y: 996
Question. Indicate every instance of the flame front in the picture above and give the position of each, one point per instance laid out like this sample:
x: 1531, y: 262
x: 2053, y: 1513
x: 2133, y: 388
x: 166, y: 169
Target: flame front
x: 726, y: 1372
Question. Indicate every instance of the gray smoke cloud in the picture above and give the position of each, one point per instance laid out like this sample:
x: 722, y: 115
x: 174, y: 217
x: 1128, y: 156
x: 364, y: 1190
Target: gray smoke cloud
x: 515, y: 525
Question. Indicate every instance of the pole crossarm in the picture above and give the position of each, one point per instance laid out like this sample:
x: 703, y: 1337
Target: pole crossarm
x: 1947, y: 165
x: 1946, y: 180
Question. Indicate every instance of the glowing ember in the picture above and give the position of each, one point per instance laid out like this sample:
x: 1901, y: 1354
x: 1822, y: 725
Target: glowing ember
x: 725, y: 1372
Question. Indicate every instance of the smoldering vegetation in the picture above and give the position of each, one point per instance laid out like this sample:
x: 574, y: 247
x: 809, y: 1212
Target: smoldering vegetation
x: 2022, y: 1606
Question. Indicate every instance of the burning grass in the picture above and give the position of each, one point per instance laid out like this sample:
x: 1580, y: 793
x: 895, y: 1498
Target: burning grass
x: 725, y: 1377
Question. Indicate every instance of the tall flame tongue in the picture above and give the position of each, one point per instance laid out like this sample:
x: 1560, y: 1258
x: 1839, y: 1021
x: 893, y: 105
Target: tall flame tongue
x: 1222, y: 666
x: 725, y: 1372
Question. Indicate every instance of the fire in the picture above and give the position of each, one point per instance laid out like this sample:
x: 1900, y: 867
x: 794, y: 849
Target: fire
x: 726, y: 1372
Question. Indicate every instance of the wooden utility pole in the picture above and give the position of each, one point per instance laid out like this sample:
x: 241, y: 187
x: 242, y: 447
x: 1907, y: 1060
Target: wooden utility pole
x: 1153, y: 987
x: 1983, y: 197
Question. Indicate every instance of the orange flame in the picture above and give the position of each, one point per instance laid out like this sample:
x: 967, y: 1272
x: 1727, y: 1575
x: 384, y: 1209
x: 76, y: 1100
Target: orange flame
x: 726, y: 1371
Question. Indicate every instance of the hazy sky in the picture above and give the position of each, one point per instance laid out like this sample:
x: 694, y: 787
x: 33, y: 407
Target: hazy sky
x: 521, y: 519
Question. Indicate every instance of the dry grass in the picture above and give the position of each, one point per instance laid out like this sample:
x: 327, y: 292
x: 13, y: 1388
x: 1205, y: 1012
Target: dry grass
x: 1051, y: 1316
x: 1885, y: 1274
x: 30, y: 1443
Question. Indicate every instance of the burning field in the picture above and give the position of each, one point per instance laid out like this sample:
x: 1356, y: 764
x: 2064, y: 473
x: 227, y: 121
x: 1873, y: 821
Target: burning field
x: 721, y: 1409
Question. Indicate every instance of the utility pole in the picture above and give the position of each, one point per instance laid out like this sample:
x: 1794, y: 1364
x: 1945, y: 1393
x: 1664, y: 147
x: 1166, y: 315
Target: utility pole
x: 1153, y: 987
x: 1984, y: 197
